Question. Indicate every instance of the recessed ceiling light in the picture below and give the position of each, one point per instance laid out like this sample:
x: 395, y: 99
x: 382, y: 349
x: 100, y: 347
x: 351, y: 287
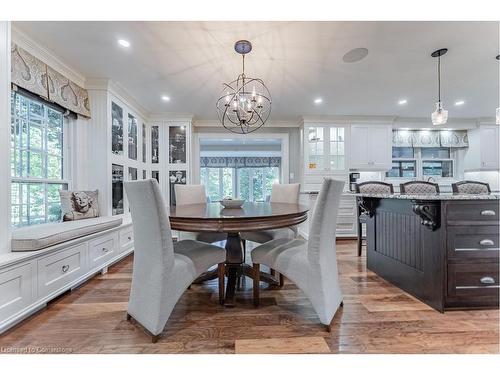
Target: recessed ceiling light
x: 165, y: 98
x: 402, y: 101
x: 124, y: 43
x: 459, y: 102
x: 318, y: 101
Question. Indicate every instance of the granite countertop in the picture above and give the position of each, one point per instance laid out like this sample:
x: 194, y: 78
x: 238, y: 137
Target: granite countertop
x: 438, y: 197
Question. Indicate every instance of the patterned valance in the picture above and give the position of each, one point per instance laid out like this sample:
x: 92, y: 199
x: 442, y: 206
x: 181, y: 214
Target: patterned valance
x: 239, y: 162
x: 430, y: 138
x: 37, y: 77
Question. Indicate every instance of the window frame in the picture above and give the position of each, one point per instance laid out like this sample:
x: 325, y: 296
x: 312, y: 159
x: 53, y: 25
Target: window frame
x: 417, y: 158
x: 66, y: 160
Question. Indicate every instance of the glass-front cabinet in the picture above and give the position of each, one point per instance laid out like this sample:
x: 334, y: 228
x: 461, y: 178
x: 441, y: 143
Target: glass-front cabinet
x: 324, y: 149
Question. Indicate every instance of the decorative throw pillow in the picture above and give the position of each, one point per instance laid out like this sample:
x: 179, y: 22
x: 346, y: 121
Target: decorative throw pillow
x: 77, y: 205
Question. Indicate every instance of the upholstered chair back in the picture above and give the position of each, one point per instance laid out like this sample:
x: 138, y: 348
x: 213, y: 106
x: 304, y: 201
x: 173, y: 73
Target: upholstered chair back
x: 374, y: 187
x: 189, y: 194
x: 153, y: 251
x: 471, y: 187
x: 321, y: 242
x: 419, y: 187
x: 285, y: 193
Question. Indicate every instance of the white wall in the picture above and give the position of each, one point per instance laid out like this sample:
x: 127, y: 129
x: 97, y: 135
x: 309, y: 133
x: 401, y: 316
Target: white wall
x: 4, y: 136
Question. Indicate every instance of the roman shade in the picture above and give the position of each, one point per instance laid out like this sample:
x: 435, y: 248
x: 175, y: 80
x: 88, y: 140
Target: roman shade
x: 430, y: 138
x: 239, y: 162
x: 35, y: 76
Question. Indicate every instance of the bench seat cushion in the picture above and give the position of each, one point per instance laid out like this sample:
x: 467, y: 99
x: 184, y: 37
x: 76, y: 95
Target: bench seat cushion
x: 38, y: 237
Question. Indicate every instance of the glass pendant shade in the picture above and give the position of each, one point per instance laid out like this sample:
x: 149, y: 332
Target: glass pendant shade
x: 440, y: 115
x: 498, y: 116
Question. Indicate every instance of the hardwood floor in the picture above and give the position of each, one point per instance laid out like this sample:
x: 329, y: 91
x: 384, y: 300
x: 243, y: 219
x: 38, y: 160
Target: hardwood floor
x: 376, y: 318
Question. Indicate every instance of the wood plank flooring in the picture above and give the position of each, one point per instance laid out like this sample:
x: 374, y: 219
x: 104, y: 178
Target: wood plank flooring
x: 376, y: 318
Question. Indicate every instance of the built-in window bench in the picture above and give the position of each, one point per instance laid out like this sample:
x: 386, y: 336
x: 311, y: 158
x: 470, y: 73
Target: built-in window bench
x: 30, y: 279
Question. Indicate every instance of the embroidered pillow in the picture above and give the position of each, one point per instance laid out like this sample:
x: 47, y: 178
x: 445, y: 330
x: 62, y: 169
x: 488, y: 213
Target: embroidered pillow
x: 77, y: 205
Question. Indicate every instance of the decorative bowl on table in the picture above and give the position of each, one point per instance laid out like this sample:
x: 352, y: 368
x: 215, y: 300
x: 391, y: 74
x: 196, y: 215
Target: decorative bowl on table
x: 229, y: 202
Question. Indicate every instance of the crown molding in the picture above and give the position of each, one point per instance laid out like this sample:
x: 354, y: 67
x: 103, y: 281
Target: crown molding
x: 271, y: 124
x: 346, y: 119
x: 47, y: 56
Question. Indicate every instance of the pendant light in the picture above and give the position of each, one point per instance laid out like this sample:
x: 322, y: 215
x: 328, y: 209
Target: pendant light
x: 440, y: 115
x: 498, y: 109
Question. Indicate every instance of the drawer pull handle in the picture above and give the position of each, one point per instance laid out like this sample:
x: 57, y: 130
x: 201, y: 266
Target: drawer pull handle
x: 486, y: 242
x: 487, y: 280
x: 488, y: 213
x: 129, y: 238
x: 65, y: 268
x: 105, y: 249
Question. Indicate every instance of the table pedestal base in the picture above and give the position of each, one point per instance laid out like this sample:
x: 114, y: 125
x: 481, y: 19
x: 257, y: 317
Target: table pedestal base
x: 235, y: 267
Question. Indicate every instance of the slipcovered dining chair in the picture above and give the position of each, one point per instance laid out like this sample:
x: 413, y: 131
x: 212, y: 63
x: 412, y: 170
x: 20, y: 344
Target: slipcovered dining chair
x: 280, y: 193
x: 312, y: 264
x: 470, y: 187
x: 195, y: 194
x: 162, y: 270
x: 419, y: 187
x: 369, y: 187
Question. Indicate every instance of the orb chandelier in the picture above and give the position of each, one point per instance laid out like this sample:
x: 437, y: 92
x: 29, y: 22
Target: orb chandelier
x: 244, y: 104
x: 440, y: 115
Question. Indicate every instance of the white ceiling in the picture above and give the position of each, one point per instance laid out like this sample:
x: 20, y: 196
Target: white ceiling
x: 299, y: 61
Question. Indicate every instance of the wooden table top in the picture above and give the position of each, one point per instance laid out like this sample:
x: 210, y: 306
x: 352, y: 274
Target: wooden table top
x: 212, y: 217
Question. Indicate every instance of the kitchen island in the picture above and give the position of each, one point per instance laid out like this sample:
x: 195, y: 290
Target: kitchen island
x: 441, y: 248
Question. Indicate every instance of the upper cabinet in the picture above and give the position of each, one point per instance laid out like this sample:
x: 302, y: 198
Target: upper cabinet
x: 482, y: 154
x: 324, y: 149
x: 371, y: 147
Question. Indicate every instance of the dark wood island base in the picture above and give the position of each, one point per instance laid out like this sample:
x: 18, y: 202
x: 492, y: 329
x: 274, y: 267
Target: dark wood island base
x: 442, y: 250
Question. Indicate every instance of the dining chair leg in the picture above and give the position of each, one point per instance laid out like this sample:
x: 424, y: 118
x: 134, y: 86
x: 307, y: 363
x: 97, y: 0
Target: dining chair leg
x: 282, y: 280
x: 221, y: 271
x: 256, y: 284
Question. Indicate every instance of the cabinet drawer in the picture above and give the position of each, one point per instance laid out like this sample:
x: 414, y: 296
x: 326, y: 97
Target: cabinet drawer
x: 473, y: 242
x: 102, y: 249
x: 126, y: 238
x: 473, y: 280
x: 471, y: 212
x: 57, y: 270
x: 16, y: 290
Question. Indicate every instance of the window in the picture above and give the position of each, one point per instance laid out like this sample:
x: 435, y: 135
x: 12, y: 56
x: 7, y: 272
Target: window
x: 37, y: 155
x: 250, y: 184
x: 425, y: 162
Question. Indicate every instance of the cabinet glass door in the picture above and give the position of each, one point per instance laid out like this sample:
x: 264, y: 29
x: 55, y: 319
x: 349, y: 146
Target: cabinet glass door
x: 117, y: 189
x: 316, y: 148
x: 116, y: 129
x: 155, y: 144
x: 132, y: 137
x: 177, y: 144
x: 337, y: 149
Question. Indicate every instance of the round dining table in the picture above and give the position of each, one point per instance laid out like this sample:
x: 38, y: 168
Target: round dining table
x: 213, y: 217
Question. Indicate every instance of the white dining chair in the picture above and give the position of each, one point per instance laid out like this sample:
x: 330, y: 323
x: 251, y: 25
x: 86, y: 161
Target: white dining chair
x: 280, y: 193
x: 162, y: 269
x: 312, y: 264
x: 195, y: 194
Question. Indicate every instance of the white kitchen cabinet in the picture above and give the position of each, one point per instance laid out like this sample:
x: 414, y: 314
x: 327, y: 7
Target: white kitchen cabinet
x: 371, y: 147
x: 482, y: 153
